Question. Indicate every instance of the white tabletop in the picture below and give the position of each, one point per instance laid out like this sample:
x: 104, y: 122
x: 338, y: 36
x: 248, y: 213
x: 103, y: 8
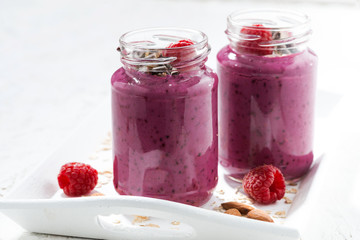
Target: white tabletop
x: 57, y: 57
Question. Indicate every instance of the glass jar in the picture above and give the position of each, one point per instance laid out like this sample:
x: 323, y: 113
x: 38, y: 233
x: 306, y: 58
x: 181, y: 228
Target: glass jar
x: 164, y: 111
x: 267, y: 86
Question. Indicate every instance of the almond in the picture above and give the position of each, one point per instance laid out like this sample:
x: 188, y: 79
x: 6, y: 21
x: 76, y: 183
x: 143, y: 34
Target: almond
x: 258, y: 214
x: 243, y: 208
x: 233, y: 211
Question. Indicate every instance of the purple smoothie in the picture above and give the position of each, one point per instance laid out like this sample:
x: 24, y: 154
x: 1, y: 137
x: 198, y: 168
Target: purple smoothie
x: 165, y: 134
x: 266, y: 111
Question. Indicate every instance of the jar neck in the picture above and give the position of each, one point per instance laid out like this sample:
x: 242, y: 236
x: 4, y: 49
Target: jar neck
x: 156, y: 51
x: 268, y: 32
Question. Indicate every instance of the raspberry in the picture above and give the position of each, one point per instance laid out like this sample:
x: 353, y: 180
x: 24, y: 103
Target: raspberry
x: 77, y: 179
x: 182, y: 54
x: 181, y: 43
x: 265, y: 184
x: 252, y: 46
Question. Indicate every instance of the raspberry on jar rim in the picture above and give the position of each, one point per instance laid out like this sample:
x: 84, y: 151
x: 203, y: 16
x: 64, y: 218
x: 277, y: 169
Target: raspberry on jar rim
x: 181, y: 43
x: 260, y: 35
x: 180, y: 51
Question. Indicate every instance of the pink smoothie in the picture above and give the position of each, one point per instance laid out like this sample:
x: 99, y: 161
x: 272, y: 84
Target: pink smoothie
x: 266, y: 113
x: 165, y: 134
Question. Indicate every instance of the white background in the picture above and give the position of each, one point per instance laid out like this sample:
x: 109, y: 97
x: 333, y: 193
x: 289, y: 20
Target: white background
x: 57, y: 57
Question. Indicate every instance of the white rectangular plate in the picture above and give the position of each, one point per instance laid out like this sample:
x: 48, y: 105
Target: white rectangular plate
x: 39, y: 205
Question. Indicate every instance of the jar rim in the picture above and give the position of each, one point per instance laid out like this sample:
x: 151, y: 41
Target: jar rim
x: 248, y: 31
x: 196, y: 44
x: 148, y: 49
x: 306, y: 20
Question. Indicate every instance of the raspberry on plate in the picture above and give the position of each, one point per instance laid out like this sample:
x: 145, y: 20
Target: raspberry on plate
x: 265, y: 184
x: 180, y: 51
x: 77, y: 179
x: 260, y: 36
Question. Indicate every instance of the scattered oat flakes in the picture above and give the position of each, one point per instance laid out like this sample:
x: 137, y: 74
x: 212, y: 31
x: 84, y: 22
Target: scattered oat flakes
x: 93, y: 157
x: 287, y: 200
x: 218, y: 208
x: 104, y: 179
x: 140, y: 219
x: 105, y: 149
x: 97, y: 194
x: 106, y: 173
x: 268, y: 211
x: 213, y: 203
x: 150, y: 225
x: 280, y: 214
x: 116, y: 221
x: 250, y: 200
x: 220, y: 192
x: 102, y: 182
x: 175, y: 223
x: 106, y: 141
x: 292, y: 184
x: 292, y: 190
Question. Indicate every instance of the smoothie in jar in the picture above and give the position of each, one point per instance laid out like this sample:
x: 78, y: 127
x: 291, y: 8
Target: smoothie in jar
x: 165, y: 117
x: 266, y: 94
